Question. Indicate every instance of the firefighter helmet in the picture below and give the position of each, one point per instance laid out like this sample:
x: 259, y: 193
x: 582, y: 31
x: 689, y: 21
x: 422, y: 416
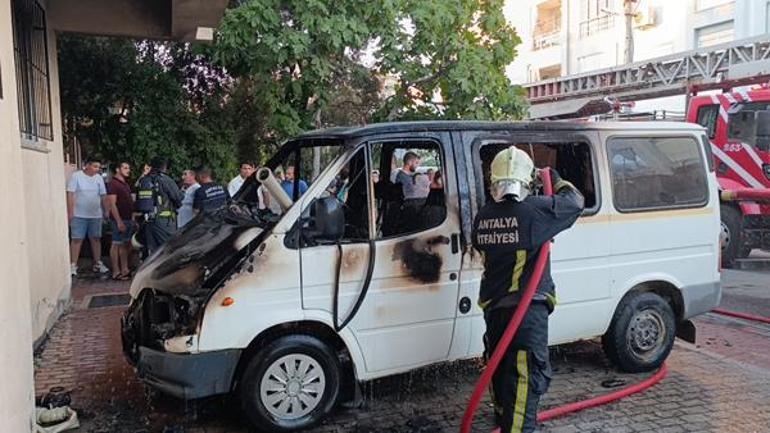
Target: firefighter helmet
x: 511, y: 174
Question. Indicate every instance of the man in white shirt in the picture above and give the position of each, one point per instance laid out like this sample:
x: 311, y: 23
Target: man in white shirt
x: 86, y: 194
x: 246, y: 170
x: 189, y: 185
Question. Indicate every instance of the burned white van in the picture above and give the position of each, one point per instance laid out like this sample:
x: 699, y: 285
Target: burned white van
x: 363, y: 269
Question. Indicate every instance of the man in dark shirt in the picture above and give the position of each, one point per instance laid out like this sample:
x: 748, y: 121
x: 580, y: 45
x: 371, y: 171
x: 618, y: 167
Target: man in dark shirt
x: 210, y: 196
x: 509, y: 231
x: 120, y: 209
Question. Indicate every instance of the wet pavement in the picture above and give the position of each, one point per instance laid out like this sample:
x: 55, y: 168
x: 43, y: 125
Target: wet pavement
x: 722, y: 384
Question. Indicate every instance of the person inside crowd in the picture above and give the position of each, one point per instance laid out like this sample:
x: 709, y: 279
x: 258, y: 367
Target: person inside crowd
x: 158, y: 198
x: 189, y: 186
x: 120, y: 206
x: 246, y: 170
x: 86, y: 199
x: 288, y: 184
x: 406, y: 176
x: 210, y: 196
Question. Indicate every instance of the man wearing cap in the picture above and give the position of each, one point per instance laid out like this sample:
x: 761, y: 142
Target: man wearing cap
x: 509, y: 231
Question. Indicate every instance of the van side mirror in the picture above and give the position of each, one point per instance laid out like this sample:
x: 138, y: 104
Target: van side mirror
x: 327, y: 220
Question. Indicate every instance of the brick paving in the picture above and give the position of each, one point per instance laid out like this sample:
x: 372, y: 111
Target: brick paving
x: 712, y: 387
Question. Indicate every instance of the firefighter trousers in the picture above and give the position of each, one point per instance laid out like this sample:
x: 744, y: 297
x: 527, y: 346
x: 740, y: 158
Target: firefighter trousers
x: 524, y: 372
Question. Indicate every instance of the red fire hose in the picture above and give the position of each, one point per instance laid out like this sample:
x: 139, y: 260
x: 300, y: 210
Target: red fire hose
x: 510, y: 332
x: 741, y: 315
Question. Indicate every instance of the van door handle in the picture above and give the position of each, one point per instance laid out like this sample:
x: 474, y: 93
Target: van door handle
x: 455, y: 243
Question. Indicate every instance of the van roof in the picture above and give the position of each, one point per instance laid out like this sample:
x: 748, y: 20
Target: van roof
x: 468, y: 125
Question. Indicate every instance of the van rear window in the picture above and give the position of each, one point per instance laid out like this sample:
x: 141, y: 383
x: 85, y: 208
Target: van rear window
x: 650, y: 173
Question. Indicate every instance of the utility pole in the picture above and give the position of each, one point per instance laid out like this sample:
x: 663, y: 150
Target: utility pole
x: 629, y: 7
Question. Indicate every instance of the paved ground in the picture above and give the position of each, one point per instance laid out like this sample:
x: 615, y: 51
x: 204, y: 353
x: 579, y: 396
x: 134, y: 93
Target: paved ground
x: 722, y: 384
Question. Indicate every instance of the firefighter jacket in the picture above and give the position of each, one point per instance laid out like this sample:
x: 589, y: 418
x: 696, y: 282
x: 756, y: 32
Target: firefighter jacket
x: 509, y: 235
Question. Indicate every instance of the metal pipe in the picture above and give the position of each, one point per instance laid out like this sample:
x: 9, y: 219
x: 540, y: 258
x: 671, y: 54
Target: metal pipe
x: 746, y: 194
x: 266, y: 178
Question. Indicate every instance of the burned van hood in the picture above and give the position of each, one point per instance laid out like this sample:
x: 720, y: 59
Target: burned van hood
x: 195, y: 258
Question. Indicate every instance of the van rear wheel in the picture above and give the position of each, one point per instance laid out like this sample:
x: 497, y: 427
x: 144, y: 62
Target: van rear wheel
x: 291, y: 384
x: 641, y: 334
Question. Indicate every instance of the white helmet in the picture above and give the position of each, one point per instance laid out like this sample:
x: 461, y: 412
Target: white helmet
x: 511, y: 174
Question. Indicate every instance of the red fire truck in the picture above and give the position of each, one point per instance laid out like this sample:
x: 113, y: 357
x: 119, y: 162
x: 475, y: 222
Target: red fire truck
x: 737, y: 121
x: 738, y: 125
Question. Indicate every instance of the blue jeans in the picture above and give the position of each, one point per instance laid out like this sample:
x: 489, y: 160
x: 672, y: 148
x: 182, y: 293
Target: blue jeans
x: 82, y: 228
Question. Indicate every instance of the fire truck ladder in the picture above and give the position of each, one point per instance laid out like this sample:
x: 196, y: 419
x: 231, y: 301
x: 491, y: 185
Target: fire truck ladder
x: 723, y: 66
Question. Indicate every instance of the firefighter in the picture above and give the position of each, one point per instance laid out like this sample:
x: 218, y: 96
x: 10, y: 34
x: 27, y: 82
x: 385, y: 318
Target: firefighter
x: 509, y: 232
x: 158, y: 198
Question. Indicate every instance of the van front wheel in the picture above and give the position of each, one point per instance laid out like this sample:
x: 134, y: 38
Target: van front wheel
x: 641, y: 334
x: 291, y: 384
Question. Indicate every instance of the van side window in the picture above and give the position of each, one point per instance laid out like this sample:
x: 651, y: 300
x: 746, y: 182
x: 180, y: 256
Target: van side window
x: 572, y: 160
x: 657, y: 173
x: 707, y: 118
x: 409, y: 187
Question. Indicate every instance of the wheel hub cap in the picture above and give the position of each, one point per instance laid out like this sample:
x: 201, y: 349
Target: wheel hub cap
x: 292, y: 386
x: 646, y: 334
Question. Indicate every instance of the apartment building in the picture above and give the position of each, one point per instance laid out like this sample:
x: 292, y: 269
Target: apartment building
x: 563, y: 37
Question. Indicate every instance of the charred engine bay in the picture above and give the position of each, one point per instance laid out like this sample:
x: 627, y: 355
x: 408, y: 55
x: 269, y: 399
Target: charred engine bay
x: 174, y: 284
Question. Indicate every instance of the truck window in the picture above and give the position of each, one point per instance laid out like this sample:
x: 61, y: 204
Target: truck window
x: 707, y: 118
x: 409, y: 185
x: 657, y: 173
x: 742, y: 122
x: 572, y: 160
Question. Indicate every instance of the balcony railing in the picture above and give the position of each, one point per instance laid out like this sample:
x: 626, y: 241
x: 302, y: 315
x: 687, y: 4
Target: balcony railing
x: 597, y: 25
x: 547, y: 33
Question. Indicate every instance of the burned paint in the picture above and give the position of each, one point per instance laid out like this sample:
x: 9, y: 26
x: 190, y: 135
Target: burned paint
x: 419, y: 259
x: 173, y: 285
x: 202, y: 250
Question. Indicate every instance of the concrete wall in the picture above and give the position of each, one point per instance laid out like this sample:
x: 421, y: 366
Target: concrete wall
x: 16, y: 389
x: 46, y: 215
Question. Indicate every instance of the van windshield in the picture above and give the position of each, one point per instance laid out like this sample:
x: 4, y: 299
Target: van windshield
x: 295, y: 167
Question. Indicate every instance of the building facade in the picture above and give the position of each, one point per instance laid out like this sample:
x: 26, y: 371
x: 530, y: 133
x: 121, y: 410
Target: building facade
x: 564, y: 37
x: 34, y: 231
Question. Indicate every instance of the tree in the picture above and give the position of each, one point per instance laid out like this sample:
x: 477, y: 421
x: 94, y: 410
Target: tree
x: 450, y: 59
x: 299, y: 64
x: 132, y: 101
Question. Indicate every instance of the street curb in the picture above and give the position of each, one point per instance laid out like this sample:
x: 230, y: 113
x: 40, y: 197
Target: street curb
x: 752, y: 265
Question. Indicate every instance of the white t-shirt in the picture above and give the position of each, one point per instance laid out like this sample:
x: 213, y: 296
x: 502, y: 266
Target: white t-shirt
x: 89, y: 191
x: 185, y: 212
x: 235, y: 185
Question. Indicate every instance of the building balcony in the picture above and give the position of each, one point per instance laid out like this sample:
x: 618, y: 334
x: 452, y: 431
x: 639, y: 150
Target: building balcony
x: 597, y: 25
x: 547, y: 33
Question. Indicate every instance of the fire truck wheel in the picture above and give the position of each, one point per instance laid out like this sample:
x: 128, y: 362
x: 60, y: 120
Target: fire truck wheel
x: 732, y: 236
x: 641, y: 334
x: 291, y: 384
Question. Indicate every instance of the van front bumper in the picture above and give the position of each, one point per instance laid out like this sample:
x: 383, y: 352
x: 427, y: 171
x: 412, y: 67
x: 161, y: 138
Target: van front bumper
x: 188, y: 376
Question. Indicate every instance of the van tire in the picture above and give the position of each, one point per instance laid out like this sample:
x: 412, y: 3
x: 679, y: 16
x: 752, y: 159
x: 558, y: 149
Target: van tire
x: 732, y: 235
x: 641, y: 334
x: 275, y: 359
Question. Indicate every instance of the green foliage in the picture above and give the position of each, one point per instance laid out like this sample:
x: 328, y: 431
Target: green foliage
x: 123, y: 104
x: 298, y: 63
x: 450, y: 58
x: 280, y: 67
